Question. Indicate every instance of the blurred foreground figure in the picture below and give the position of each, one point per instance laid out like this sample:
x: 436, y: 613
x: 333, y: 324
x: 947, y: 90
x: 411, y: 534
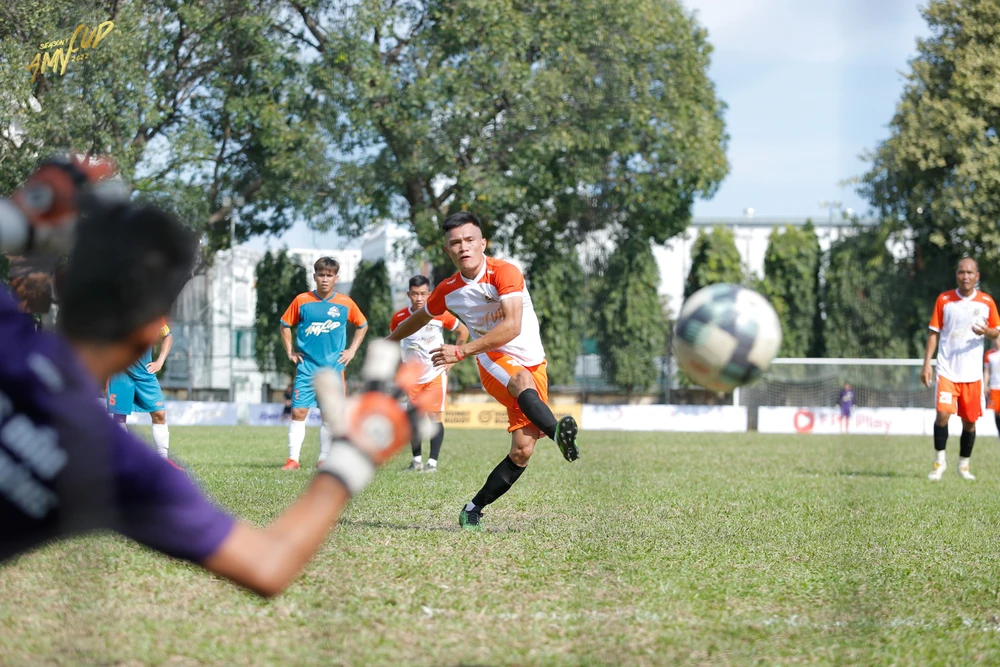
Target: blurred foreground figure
x: 66, y: 468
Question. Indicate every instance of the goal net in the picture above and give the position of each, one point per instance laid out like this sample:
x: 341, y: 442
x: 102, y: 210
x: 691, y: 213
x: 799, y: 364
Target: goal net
x: 816, y: 383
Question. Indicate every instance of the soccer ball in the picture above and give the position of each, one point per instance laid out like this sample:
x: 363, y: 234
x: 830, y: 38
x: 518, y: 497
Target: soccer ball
x: 726, y: 336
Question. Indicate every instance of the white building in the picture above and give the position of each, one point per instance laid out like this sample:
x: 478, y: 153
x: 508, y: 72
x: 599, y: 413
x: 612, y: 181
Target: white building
x: 397, y: 247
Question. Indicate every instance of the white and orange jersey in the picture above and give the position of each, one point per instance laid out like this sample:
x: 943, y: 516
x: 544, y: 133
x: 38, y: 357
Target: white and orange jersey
x: 477, y: 303
x: 991, y: 360
x: 420, y: 345
x: 960, y: 349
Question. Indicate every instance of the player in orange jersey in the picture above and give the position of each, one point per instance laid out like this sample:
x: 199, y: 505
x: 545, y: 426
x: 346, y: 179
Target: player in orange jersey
x: 432, y: 388
x: 961, y: 318
x: 490, y: 297
x: 991, y: 380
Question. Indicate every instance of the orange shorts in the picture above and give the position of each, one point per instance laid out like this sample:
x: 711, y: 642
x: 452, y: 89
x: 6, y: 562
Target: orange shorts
x: 430, y: 396
x: 994, y: 400
x: 963, y: 398
x: 496, y: 373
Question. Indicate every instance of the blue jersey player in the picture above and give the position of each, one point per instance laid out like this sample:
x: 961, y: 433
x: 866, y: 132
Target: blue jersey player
x: 138, y: 390
x: 320, y: 321
x: 65, y: 468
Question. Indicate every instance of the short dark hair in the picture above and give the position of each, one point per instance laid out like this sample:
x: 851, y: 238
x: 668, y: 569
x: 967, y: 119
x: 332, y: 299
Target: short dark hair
x: 126, y: 269
x: 419, y: 281
x: 327, y: 263
x: 974, y: 261
x: 458, y: 219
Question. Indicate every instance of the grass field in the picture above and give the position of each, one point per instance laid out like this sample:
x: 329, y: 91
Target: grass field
x: 652, y: 549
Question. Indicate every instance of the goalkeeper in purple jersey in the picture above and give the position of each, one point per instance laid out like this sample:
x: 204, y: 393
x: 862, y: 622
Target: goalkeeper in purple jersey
x: 66, y: 468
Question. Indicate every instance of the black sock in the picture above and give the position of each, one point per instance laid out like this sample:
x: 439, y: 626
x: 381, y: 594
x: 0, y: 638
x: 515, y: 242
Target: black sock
x: 537, y: 412
x: 498, y: 483
x: 996, y: 418
x: 436, y: 442
x: 967, y: 441
x: 940, y: 437
x: 415, y: 443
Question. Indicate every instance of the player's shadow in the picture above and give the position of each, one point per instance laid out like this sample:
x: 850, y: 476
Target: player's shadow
x: 416, y: 527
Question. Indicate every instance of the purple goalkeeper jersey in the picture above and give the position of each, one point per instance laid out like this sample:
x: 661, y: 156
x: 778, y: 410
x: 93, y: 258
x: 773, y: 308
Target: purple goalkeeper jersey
x: 67, y: 468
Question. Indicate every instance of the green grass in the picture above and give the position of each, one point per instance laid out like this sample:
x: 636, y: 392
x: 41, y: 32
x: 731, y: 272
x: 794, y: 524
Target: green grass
x: 652, y: 549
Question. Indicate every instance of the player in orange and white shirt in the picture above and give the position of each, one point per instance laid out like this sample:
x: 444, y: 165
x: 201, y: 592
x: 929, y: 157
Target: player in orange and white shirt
x: 961, y: 318
x: 991, y: 379
x: 490, y: 297
x: 432, y: 387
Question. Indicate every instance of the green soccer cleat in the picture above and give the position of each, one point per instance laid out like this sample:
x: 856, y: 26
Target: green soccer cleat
x: 469, y: 520
x: 566, y: 431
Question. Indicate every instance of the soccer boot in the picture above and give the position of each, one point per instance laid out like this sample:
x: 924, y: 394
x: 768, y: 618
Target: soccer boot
x: 430, y: 468
x: 291, y: 464
x: 173, y: 464
x: 963, y: 471
x: 937, y: 471
x: 469, y: 519
x: 566, y: 431
x: 414, y: 467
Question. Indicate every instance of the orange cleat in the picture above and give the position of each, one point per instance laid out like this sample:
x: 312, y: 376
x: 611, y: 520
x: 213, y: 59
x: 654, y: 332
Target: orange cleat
x: 174, y: 464
x: 291, y: 464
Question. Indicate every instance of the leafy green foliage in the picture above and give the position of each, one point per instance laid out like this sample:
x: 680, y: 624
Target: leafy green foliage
x: 556, y: 282
x: 631, y: 325
x: 199, y: 103
x: 542, y: 118
x: 865, y: 299
x: 714, y: 259
x: 937, y: 175
x: 279, y: 280
x: 373, y: 294
x: 791, y: 283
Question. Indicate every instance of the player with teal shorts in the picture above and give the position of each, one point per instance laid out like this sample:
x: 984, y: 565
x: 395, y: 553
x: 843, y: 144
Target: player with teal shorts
x: 320, y: 320
x: 138, y: 390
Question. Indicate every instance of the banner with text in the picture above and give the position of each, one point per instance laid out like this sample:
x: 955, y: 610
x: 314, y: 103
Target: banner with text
x: 686, y: 418
x: 493, y: 415
x: 270, y: 414
x: 863, y: 421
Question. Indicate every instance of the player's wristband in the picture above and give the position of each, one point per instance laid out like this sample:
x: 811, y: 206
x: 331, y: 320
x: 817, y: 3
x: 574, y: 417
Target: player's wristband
x: 459, y: 353
x: 350, y: 465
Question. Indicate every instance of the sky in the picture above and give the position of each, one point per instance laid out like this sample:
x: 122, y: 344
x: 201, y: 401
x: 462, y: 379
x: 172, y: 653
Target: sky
x: 809, y: 86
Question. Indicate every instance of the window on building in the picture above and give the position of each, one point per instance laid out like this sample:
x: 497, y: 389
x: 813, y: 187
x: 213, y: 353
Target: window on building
x: 243, y: 340
x: 242, y: 296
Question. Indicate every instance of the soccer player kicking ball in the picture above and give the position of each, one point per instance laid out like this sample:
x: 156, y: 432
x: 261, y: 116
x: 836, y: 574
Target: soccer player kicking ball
x: 490, y: 297
x: 432, y: 388
x: 320, y: 319
x: 65, y: 468
x: 138, y: 390
x: 960, y: 320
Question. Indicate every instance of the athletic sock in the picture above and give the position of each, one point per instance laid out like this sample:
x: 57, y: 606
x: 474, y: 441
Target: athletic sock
x: 940, y: 437
x: 966, y: 443
x: 436, y: 441
x: 161, y: 438
x: 537, y: 412
x: 325, y: 441
x: 498, y: 482
x: 996, y: 420
x: 296, y: 434
x: 415, y: 444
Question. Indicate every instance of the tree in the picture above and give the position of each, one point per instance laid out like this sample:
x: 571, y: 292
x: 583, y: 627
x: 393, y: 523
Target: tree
x: 556, y: 281
x: 373, y: 294
x: 279, y: 280
x: 566, y: 116
x: 631, y: 325
x: 937, y: 175
x: 714, y: 259
x: 791, y: 283
x: 865, y: 298
x: 202, y: 105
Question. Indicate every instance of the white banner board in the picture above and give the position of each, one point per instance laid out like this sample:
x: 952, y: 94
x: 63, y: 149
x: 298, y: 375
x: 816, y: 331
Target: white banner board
x: 192, y: 413
x: 687, y: 418
x: 863, y: 421
x: 269, y: 414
